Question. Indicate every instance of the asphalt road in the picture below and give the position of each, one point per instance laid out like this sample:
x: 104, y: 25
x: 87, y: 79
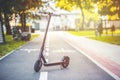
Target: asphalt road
x: 19, y: 65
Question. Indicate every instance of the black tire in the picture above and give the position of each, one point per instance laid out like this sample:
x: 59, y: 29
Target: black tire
x: 37, y: 65
x: 65, y: 60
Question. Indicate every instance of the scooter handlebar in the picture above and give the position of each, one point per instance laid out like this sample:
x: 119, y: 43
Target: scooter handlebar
x: 49, y: 13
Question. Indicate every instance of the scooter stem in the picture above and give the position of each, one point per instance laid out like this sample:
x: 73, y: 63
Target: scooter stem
x: 43, y: 43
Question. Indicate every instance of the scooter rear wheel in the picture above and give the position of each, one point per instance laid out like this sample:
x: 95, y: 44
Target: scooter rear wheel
x: 37, y: 65
x: 65, y: 60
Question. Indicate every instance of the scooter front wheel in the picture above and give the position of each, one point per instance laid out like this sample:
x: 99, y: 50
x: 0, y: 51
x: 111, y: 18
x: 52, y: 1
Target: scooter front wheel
x: 65, y: 60
x: 37, y: 65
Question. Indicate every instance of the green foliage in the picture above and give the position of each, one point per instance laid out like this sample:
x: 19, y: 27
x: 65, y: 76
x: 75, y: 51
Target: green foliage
x: 24, y: 5
x: 91, y: 17
x: 109, y: 7
x: 8, y: 7
x: 83, y: 5
x: 10, y: 45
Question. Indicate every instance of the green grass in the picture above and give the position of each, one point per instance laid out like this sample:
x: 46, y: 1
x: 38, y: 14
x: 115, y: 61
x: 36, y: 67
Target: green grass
x: 82, y: 33
x: 91, y: 34
x: 108, y: 39
x: 11, y: 44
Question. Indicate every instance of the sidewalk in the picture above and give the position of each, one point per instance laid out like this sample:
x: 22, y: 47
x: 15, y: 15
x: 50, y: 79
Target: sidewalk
x: 103, y: 54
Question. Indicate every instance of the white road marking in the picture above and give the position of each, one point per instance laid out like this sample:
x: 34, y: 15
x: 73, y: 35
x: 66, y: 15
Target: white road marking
x: 29, y: 49
x: 61, y: 50
x: 98, y: 64
x: 43, y: 76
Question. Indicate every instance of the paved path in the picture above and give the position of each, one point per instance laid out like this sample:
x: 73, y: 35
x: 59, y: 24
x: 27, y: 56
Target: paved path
x: 103, y: 54
x: 80, y: 67
x: 19, y: 65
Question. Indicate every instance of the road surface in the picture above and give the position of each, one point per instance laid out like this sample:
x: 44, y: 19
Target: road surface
x: 19, y: 65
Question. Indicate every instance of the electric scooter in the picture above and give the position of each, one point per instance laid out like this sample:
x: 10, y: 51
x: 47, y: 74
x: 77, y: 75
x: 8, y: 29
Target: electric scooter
x: 41, y: 59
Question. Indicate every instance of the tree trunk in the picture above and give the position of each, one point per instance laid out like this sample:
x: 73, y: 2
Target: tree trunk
x: 112, y: 33
x: 82, y: 18
x: 1, y: 20
x: 23, y: 21
x: 7, y: 24
x: 79, y: 3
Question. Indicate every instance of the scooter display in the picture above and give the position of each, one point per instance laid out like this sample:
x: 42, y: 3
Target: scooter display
x: 41, y: 59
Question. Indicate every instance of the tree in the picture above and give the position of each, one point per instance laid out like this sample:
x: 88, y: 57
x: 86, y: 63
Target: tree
x: 9, y: 7
x: 6, y: 10
x: 91, y: 16
x: 23, y: 10
x: 112, y: 29
x: 21, y: 7
x: 100, y: 29
x: 76, y: 4
x: 1, y: 24
x: 110, y: 8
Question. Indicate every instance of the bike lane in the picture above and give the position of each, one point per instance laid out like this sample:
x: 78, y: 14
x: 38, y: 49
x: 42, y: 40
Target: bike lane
x: 88, y: 47
x: 19, y: 65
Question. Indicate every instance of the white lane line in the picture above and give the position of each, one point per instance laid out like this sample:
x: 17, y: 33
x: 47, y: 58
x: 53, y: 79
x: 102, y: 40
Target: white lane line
x: 43, y: 76
x: 29, y: 49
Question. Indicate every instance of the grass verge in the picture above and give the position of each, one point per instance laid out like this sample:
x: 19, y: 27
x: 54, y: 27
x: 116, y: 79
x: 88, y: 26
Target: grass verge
x: 105, y: 38
x: 11, y: 44
x: 108, y: 39
x: 83, y: 33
